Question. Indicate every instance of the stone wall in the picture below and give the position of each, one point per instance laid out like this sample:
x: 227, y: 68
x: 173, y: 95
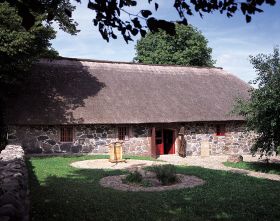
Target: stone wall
x: 13, y: 185
x: 235, y: 141
x: 87, y: 139
x: 96, y: 138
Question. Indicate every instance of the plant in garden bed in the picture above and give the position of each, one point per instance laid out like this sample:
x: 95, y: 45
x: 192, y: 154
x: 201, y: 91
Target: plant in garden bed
x: 136, y: 178
x: 166, y: 174
x: 133, y: 177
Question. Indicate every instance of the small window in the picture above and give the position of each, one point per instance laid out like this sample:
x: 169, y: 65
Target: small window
x: 123, y: 133
x: 66, y: 134
x: 220, y: 130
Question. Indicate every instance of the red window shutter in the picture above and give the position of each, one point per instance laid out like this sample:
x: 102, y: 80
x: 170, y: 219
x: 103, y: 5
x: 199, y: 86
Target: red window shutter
x: 122, y: 132
x: 66, y: 134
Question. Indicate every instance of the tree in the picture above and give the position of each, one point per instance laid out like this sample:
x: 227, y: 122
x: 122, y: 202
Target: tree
x: 109, y: 13
x: 262, y: 111
x: 187, y: 47
x: 19, y: 48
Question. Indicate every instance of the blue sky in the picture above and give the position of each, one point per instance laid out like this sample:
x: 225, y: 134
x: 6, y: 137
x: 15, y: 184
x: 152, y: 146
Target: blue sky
x: 231, y: 39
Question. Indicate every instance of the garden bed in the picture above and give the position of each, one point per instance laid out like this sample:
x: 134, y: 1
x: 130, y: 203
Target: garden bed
x: 116, y: 182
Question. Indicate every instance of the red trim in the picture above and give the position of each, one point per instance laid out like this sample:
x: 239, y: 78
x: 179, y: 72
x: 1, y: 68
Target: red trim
x: 220, y: 130
x: 160, y: 146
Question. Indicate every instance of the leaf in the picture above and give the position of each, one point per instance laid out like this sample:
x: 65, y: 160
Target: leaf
x: 68, y: 12
x: 183, y: 22
x: 95, y: 22
x: 136, y: 23
x: 134, y: 31
x: 248, y: 18
x: 113, y: 35
x: 243, y: 8
x: 146, y: 13
x: 156, y: 6
x: 143, y: 32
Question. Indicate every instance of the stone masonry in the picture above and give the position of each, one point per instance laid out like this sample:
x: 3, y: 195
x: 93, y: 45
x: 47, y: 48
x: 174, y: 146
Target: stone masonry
x: 14, y: 204
x: 87, y: 139
x: 236, y: 140
x: 96, y: 138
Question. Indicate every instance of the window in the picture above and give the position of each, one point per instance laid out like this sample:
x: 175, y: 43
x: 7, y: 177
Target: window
x: 66, y: 134
x: 220, y: 130
x: 123, y: 133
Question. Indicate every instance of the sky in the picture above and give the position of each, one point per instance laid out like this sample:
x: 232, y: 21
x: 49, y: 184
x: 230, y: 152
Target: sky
x: 232, y: 39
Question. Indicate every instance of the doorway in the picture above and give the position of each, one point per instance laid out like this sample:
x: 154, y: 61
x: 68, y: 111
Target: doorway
x: 165, y: 139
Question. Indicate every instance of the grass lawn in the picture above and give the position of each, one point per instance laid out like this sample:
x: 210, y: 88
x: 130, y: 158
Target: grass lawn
x: 273, y: 168
x: 60, y: 192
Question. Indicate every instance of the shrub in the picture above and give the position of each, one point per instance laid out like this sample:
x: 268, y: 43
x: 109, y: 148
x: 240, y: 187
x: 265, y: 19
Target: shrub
x: 166, y: 174
x: 134, y: 177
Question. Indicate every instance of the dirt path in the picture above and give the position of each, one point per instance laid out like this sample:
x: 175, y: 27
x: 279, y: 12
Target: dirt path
x: 216, y: 162
x: 105, y: 164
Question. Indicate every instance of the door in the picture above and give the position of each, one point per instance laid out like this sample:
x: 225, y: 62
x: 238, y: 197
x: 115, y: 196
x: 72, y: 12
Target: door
x: 168, y: 141
x: 165, y: 141
x: 159, y: 142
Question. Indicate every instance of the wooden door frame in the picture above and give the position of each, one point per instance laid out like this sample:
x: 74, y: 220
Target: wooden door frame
x: 162, y: 137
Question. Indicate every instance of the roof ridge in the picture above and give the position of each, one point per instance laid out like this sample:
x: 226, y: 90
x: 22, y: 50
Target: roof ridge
x: 131, y: 63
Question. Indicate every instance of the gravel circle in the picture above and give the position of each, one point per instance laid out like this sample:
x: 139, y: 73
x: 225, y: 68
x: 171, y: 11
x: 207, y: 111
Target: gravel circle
x: 115, y: 182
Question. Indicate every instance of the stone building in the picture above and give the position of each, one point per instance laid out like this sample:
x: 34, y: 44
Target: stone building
x: 81, y: 106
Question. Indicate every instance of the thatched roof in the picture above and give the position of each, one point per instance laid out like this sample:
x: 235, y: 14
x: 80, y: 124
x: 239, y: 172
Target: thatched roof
x: 99, y: 92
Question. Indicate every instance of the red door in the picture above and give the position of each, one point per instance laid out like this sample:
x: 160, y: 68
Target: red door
x: 168, y: 141
x: 159, y: 142
x: 165, y: 141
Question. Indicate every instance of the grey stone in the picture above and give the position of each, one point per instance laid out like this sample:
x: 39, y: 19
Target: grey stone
x: 30, y: 143
x: 66, y: 147
x: 8, y: 210
x: 76, y: 149
x: 235, y: 158
x: 47, y: 148
x: 56, y: 148
x: 81, y: 141
x: 79, y: 134
x: 42, y: 137
x: 87, y: 149
x: 12, y: 137
x: 90, y: 136
x: 51, y: 142
x: 97, y: 143
x: 33, y: 150
x: 99, y: 130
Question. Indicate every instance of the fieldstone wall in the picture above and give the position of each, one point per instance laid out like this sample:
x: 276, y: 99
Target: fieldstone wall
x: 236, y: 140
x: 14, y: 204
x: 96, y: 138
x: 87, y: 139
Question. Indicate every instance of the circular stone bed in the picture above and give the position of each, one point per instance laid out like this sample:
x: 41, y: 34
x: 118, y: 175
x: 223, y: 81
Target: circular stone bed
x: 116, y: 182
x: 105, y: 164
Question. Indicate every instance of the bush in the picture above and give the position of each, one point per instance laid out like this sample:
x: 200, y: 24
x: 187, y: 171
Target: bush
x: 166, y: 174
x: 134, y: 177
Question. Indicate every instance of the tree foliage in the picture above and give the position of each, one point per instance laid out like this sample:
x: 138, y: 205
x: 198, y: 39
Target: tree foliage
x: 109, y: 13
x: 187, y: 47
x: 19, y: 48
x: 262, y: 111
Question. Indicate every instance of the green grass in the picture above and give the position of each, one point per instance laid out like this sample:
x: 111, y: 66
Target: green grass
x: 273, y: 168
x: 60, y: 192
